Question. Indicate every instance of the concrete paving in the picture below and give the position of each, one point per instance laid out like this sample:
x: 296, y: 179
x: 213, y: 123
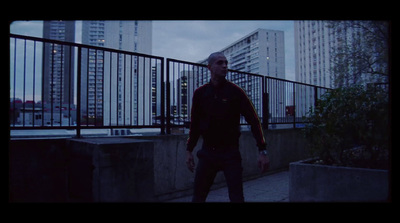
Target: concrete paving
x: 269, y: 188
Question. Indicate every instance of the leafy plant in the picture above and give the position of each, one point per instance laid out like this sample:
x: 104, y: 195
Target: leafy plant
x: 349, y: 127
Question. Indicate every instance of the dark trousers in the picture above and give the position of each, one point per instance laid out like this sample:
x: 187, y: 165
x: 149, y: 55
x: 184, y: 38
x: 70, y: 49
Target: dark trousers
x: 210, y: 162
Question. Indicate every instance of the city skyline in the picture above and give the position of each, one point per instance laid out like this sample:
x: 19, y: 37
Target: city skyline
x: 192, y: 40
x: 93, y: 103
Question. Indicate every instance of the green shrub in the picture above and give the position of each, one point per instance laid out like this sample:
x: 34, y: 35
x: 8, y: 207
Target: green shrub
x: 350, y: 127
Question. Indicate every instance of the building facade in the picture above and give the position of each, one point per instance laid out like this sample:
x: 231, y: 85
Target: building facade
x: 134, y: 36
x: 318, y: 41
x: 58, y: 78
x: 260, y: 52
x: 319, y: 49
x: 106, y: 100
x: 313, y: 42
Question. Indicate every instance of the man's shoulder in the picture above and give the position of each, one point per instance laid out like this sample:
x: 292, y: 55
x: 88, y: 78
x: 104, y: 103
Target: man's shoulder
x: 235, y: 87
x: 202, y: 88
x: 200, y: 92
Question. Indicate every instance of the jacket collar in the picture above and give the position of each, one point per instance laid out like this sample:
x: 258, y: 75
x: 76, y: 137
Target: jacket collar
x: 220, y: 84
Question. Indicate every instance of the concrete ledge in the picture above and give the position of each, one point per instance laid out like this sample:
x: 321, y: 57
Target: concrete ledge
x: 323, y: 183
x: 111, y: 170
x: 172, y: 179
x: 129, y: 169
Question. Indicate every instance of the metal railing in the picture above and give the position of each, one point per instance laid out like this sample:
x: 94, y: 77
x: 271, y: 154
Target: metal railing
x: 184, y: 77
x: 277, y: 101
x: 63, y: 85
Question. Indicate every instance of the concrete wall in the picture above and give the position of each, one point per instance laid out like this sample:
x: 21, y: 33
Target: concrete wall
x: 37, y: 170
x: 173, y: 179
x: 129, y: 169
x: 111, y: 170
x: 323, y: 183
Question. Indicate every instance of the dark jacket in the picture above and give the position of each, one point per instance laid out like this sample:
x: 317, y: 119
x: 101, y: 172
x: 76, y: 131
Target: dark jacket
x: 215, y: 115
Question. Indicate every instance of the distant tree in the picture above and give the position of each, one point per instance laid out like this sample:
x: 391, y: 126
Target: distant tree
x: 361, y: 52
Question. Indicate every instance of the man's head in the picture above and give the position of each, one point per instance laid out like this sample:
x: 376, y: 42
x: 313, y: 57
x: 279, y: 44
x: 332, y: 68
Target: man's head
x: 218, y: 65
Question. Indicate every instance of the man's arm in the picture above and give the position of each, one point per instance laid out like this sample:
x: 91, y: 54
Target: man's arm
x: 194, y: 132
x: 249, y: 113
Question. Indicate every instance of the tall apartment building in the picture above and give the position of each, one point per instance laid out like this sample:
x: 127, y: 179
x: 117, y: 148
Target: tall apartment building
x: 185, y: 88
x: 134, y: 36
x: 58, y: 79
x: 260, y: 52
x: 103, y: 103
x: 313, y: 43
x: 316, y: 43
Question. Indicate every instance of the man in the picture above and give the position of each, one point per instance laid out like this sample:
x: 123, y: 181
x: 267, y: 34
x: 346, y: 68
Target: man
x: 215, y: 116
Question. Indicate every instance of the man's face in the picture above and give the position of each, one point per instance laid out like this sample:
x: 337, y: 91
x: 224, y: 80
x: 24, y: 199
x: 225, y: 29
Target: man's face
x: 219, y: 68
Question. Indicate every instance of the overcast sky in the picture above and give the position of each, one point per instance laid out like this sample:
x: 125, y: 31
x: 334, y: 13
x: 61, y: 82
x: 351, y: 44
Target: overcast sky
x: 192, y: 40
x: 195, y: 40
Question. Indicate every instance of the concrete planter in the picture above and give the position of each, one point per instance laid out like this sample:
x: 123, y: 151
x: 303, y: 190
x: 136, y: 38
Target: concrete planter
x: 323, y: 183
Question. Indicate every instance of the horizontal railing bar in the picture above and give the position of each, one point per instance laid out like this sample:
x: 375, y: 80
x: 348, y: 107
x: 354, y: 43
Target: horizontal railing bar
x: 244, y: 72
x: 86, y: 127
x: 83, y: 46
x: 185, y: 62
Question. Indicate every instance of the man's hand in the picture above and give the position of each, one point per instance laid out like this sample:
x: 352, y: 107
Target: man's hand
x: 263, y: 163
x: 190, y: 161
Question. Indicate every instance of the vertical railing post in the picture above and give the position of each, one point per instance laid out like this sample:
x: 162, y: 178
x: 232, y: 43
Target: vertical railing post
x: 294, y: 105
x: 265, y: 104
x: 315, y: 96
x: 163, y: 97
x: 168, y: 101
x: 78, y: 94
